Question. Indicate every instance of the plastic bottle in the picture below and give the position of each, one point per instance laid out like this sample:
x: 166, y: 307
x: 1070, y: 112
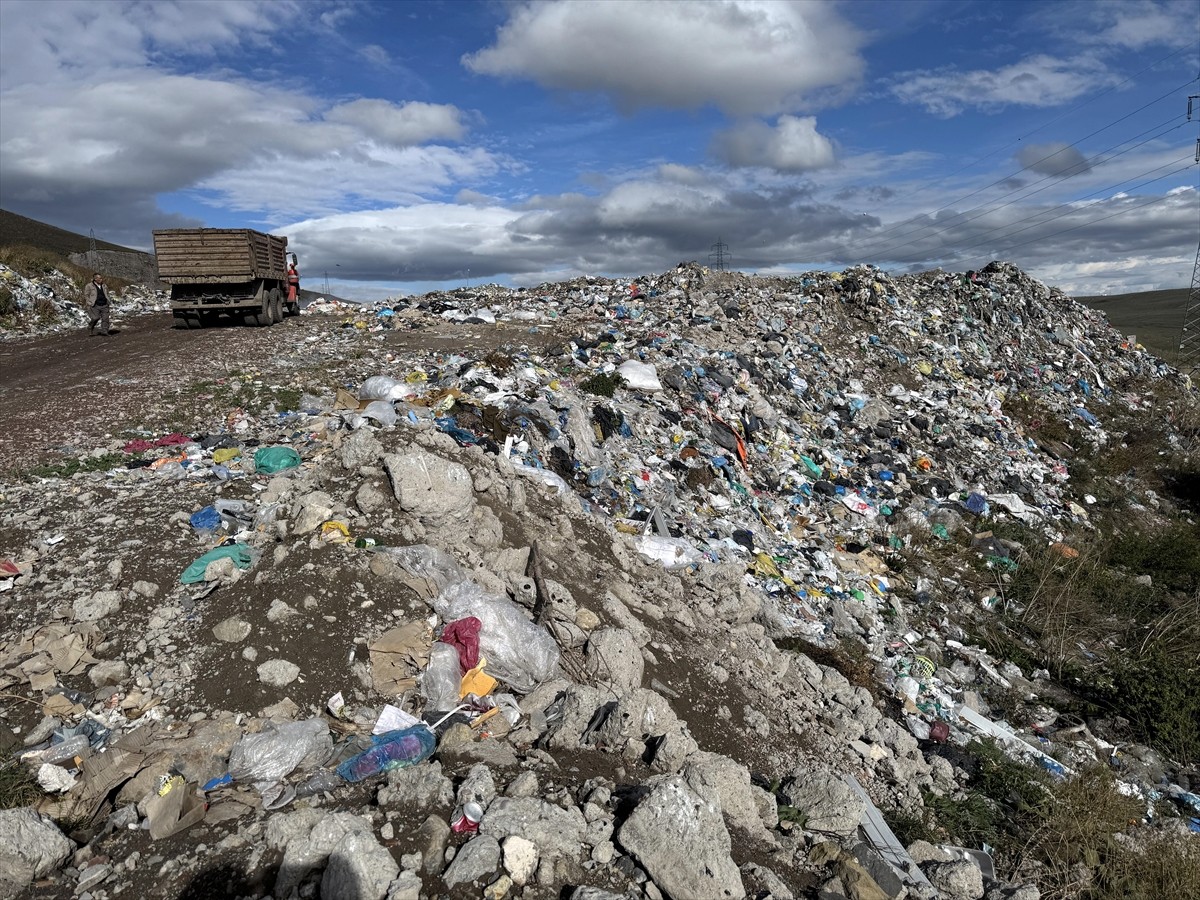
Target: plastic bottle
x: 68, y: 749
x: 442, y: 681
x: 394, y: 750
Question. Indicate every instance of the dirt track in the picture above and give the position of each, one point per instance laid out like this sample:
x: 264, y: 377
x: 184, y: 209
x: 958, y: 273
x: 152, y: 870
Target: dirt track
x: 69, y: 393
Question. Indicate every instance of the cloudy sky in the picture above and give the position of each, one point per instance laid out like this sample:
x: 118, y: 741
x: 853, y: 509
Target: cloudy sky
x: 407, y: 145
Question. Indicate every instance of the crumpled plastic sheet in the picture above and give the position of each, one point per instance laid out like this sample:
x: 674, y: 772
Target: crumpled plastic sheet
x: 670, y: 553
x: 430, y: 563
x: 243, y: 557
x: 277, y: 751
x: 519, y: 653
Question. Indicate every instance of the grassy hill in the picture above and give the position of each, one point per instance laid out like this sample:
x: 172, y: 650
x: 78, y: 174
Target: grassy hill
x: 1156, y: 317
x: 15, y: 229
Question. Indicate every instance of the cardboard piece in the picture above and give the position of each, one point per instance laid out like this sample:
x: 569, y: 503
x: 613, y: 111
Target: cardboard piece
x: 398, y: 655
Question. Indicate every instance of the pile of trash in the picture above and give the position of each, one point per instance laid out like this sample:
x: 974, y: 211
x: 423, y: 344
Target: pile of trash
x: 532, y: 620
x: 51, y: 303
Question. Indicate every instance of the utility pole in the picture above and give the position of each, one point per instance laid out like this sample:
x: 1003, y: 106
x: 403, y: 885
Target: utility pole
x: 1189, y: 335
x: 91, y: 240
x: 718, y: 255
x: 326, y: 290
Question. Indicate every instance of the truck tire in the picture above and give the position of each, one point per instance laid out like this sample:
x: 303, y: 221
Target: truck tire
x: 194, y: 320
x: 276, y: 307
x: 261, y: 317
x: 180, y: 319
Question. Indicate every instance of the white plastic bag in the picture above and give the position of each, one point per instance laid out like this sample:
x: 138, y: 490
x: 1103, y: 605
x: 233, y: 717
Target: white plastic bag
x: 381, y: 411
x: 383, y: 387
x: 669, y: 552
x: 273, y: 753
x: 519, y: 653
x: 431, y: 563
x: 545, y: 476
x: 639, y: 376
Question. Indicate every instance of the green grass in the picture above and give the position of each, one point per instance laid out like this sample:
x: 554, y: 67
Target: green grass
x: 70, y: 467
x: 18, y: 787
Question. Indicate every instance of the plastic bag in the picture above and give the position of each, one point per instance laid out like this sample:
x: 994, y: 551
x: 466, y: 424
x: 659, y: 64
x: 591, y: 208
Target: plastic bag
x: 269, y: 460
x: 463, y: 635
x: 639, y: 376
x: 442, y: 681
x: 384, y: 387
x: 518, y: 652
x: 274, y: 753
x: 670, y: 553
x: 393, y: 750
x: 431, y: 563
x: 381, y: 411
x: 545, y: 476
x: 207, y: 519
x: 237, y: 514
x: 242, y: 555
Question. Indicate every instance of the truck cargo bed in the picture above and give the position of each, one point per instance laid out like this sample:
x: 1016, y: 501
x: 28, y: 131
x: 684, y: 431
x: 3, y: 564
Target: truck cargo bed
x: 219, y: 255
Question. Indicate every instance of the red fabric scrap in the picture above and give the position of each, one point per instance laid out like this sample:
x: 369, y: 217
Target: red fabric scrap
x: 463, y: 635
x: 140, y: 445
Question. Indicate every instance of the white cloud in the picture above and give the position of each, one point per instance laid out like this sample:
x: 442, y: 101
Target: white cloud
x: 375, y: 55
x: 1137, y: 25
x: 747, y: 57
x: 1037, y: 81
x: 793, y: 145
x: 41, y: 42
x: 1058, y: 159
x: 402, y: 124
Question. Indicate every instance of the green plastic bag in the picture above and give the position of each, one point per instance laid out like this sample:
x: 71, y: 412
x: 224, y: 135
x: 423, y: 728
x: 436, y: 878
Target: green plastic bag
x: 241, y: 555
x: 275, y: 459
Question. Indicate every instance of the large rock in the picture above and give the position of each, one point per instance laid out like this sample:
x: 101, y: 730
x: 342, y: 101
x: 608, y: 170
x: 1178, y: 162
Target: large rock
x: 435, y: 490
x: 431, y: 840
x: 362, y: 448
x: 278, y: 672
x: 359, y: 869
x: 714, y: 776
x: 312, y: 511
x: 678, y: 837
x: 613, y: 657
x: 108, y: 673
x: 646, y: 717
x: 556, y: 831
x: 418, y: 787
x: 829, y: 805
x: 520, y: 859
x: 476, y: 859
x: 959, y: 879
x: 31, y: 847
x: 99, y: 605
x: 232, y: 630
x: 307, y: 838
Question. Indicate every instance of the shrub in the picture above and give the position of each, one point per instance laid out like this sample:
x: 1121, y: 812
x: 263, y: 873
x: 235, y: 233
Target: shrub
x: 602, y: 385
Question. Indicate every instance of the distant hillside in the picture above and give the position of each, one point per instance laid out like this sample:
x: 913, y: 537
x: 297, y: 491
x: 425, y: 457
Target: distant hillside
x: 15, y: 229
x: 1155, y: 317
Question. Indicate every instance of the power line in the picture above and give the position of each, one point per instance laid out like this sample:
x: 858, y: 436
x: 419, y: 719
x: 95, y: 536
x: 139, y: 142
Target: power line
x: 1113, y: 215
x: 959, y: 221
x: 1070, y: 209
x: 879, y: 238
x: 1064, y: 115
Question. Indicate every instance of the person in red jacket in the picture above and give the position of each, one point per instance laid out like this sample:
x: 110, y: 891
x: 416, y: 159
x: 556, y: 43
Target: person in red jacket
x: 293, y: 282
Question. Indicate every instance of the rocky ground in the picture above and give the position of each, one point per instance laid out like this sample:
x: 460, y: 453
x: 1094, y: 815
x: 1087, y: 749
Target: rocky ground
x: 702, y: 520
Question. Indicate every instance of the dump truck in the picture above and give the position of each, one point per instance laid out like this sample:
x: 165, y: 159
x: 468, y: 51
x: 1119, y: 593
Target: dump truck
x: 232, y: 272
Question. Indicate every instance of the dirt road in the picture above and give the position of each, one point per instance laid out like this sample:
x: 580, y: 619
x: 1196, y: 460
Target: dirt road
x: 71, y: 392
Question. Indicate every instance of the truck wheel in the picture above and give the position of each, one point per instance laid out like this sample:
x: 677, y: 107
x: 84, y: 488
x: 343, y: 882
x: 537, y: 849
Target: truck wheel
x: 180, y: 319
x: 276, y: 307
x: 194, y: 320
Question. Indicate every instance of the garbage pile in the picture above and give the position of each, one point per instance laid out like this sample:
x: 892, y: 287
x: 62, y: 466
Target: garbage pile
x: 531, y: 620
x: 51, y: 303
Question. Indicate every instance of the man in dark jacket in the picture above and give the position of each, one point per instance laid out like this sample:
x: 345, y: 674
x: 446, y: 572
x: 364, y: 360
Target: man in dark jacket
x: 95, y: 300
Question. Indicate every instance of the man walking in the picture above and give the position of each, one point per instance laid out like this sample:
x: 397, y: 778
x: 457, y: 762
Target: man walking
x: 95, y: 300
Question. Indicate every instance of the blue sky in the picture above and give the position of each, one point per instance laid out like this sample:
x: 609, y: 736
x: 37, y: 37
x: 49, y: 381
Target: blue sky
x: 403, y: 146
